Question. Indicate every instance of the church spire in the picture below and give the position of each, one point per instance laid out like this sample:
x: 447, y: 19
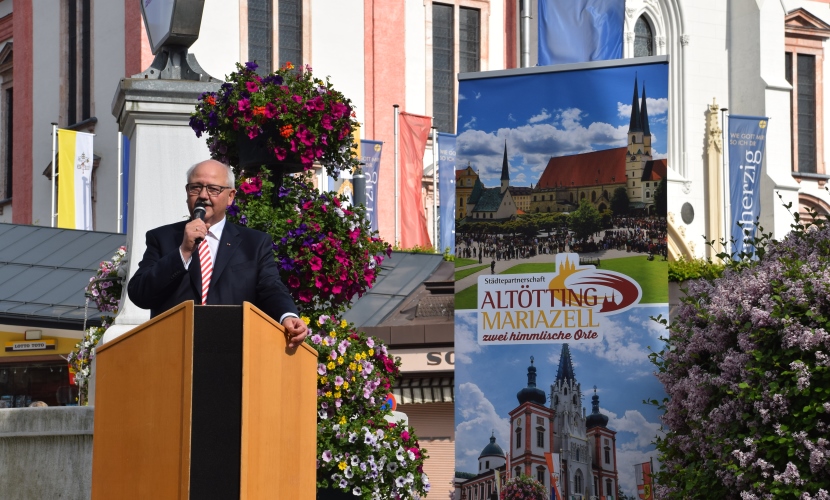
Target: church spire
x: 566, y: 367
x: 505, y: 173
x: 644, y: 112
x: 635, y: 125
x: 596, y: 419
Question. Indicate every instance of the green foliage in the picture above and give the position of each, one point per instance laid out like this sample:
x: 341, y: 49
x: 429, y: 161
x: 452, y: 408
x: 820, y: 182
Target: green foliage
x: 448, y: 255
x: 585, y: 220
x: 619, y: 201
x: 691, y: 269
x: 465, y: 262
x: 415, y: 249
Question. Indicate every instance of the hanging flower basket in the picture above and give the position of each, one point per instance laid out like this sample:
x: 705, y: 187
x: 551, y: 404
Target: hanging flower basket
x: 288, y: 121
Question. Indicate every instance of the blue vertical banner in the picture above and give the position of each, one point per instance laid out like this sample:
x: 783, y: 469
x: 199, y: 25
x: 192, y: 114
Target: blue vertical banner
x: 446, y: 191
x: 370, y: 158
x: 576, y: 31
x: 747, y: 137
x: 125, y: 181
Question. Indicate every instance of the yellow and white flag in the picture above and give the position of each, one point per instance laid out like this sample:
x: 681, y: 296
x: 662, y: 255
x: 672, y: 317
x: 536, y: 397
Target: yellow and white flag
x: 74, y: 180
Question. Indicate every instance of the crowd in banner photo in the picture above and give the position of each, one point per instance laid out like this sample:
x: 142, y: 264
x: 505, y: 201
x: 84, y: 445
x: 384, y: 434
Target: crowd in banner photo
x: 629, y: 234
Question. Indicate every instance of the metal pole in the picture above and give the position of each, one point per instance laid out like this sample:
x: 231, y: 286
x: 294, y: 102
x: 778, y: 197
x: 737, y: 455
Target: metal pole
x: 524, y: 29
x: 727, y: 228
x: 435, y: 189
x: 54, y: 147
x: 397, y: 187
x: 120, y: 180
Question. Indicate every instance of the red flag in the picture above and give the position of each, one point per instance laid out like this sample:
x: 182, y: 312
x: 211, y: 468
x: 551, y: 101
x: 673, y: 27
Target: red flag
x: 414, y: 133
x: 642, y: 473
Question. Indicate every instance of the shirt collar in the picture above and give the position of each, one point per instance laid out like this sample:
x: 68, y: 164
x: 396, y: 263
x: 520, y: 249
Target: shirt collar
x: 216, y: 229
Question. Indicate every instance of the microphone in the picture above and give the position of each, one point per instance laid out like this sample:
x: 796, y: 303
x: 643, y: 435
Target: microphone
x: 199, y: 213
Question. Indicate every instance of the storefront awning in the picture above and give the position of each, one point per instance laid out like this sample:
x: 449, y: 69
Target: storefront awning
x: 417, y: 390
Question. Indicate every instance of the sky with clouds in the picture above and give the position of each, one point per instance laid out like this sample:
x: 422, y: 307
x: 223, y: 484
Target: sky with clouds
x: 487, y: 379
x: 551, y: 114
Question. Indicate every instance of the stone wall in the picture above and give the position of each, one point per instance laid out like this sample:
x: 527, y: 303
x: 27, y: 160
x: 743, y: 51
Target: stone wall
x: 46, y: 453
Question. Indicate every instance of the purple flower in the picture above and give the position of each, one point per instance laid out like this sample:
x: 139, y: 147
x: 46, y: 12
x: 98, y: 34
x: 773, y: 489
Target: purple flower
x: 250, y: 66
x: 327, y: 456
x: 243, y: 220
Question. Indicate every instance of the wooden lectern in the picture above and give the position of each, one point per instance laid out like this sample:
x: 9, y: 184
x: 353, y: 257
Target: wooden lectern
x: 205, y: 402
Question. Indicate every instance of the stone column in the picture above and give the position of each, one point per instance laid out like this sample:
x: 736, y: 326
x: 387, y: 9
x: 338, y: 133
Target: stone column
x: 154, y: 115
x: 714, y: 173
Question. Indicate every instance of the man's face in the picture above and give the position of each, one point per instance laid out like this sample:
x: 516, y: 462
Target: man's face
x: 214, y: 174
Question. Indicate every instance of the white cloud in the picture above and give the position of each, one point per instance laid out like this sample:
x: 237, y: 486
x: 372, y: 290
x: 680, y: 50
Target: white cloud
x: 616, y: 345
x: 461, y: 97
x: 632, y: 452
x: 655, y: 107
x: 477, y: 419
x: 510, y: 117
x: 465, y: 343
x: 542, y: 116
x: 478, y: 95
x: 519, y: 179
x: 471, y: 123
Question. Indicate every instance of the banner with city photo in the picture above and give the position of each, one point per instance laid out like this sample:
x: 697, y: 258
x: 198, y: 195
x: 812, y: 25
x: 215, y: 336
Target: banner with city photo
x: 561, y: 266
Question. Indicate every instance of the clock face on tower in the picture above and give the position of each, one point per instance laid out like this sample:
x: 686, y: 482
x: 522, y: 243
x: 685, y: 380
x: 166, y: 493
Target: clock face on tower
x: 172, y: 22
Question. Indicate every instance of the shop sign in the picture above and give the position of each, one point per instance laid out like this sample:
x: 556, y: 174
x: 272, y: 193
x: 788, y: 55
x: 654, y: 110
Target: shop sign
x: 31, y: 345
x: 425, y: 359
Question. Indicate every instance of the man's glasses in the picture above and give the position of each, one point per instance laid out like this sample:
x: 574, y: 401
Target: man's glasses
x: 212, y: 189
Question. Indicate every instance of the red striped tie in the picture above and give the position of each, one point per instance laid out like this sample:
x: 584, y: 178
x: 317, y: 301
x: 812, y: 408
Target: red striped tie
x: 206, y: 265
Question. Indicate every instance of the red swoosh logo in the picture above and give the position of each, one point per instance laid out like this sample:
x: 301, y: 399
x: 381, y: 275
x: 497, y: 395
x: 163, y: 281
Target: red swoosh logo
x: 624, y: 286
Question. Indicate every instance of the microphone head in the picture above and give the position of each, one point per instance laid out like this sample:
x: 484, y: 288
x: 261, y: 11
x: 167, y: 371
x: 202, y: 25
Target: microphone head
x: 199, y: 211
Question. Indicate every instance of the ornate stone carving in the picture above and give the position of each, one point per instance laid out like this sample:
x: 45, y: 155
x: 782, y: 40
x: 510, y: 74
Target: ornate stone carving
x: 687, y: 187
x: 684, y: 40
x: 629, y: 11
x: 629, y: 36
x: 660, y: 40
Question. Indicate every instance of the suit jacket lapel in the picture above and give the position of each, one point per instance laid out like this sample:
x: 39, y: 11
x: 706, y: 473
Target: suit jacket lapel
x: 227, y: 246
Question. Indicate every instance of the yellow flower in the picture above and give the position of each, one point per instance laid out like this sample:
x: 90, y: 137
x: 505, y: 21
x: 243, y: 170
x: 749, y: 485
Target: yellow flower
x: 343, y: 323
x: 323, y: 380
x: 332, y: 334
x: 330, y: 366
x: 340, y: 360
x: 345, y: 385
x: 342, y: 465
x: 328, y: 394
x: 306, y: 320
x: 352, y: 366
x: 352, y: 379
x: 337, y: 394
x: 342, y: 420
x: 371, y: 352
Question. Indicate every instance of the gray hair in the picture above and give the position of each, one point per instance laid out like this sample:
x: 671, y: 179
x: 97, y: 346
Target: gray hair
x: 231, y: 177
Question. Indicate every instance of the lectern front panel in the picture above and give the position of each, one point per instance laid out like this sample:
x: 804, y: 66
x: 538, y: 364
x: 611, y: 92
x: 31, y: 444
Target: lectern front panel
x: 217, y: 401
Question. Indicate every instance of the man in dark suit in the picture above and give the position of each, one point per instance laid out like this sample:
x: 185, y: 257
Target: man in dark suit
x: 212, y: 259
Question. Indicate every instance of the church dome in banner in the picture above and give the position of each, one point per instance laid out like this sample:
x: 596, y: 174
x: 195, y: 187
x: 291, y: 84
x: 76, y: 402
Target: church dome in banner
x: 531, y: 394
x: 492, y: 449
x: 596, y: 419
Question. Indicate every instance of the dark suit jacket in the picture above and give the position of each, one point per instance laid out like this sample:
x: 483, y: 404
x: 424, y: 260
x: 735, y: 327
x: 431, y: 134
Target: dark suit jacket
x: 244, y: 270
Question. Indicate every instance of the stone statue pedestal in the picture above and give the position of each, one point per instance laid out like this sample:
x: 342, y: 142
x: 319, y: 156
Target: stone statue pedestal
x: 154, y: 114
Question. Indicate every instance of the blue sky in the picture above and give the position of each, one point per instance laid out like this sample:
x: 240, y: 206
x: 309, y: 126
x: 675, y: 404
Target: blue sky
x: 554, y: 114
x: 488, y: 378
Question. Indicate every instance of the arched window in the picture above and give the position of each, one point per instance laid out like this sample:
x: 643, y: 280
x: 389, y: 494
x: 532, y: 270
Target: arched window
x: 643, y: 38
x: 593, y: 196
x: 518, y: 471
x: 582, y: 196
x: 572, y: 197
x: 578, y: 482
x: 577, y: 454
x: 648, y: 194
x: 518, y: 437
x: 540, y: 475
x: 609, y: 487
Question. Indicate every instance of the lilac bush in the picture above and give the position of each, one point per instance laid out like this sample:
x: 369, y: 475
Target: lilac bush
x: 747, y: 371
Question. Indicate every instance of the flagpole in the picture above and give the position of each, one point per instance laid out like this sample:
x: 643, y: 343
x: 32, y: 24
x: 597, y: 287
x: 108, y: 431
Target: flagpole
x: 727, y: 214
x: 120, y: 180
x: 397, y: 188
x: 435, y: 188
x: 54, y: 147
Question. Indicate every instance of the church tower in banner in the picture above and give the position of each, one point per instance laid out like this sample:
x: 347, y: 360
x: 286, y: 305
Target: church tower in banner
x: 531, y: 432
x: 571, y: 440
x: 639, y: 148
